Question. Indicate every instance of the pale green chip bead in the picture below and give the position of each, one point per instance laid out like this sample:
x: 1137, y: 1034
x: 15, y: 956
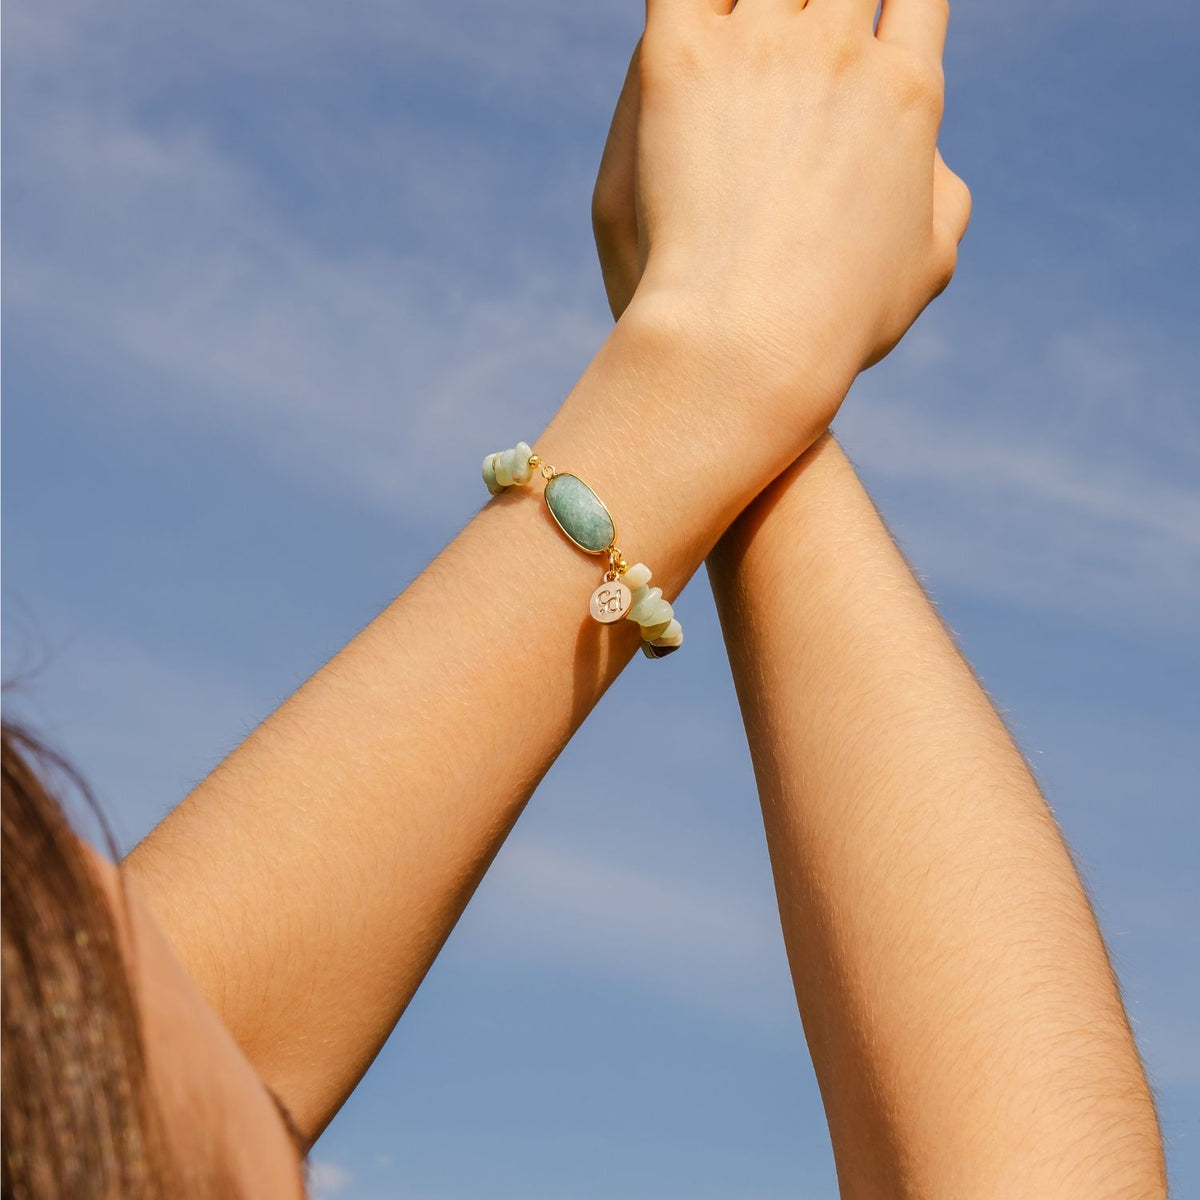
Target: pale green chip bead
x: 522, y: 472
x: 504, y: 475
x: 660, y: 612
x: 645, y: 604
x: 650, y: 632
x: 489, y: 475
x: 671, y: 636
x: 636, y: 577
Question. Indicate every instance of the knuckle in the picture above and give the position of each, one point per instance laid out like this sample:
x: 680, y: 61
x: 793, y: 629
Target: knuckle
x: 944, y: 261
x: 845, y: 52
x: 964, y: 202
x: 837, y: 45
x: 919, y: 83
x: 953, y: 203
x: 665, y: 62
x: 964, y: 190
x: 764, y: 45
x: 952, y: 198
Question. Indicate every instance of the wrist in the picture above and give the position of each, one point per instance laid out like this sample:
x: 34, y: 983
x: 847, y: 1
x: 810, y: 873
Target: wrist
x: 677, y: 424
x: 775, y: 393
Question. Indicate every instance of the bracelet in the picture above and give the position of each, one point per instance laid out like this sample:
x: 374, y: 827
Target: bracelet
x: 625, y: 590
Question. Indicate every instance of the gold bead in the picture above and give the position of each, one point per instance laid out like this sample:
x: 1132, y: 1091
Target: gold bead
x: 622, y: 566
x: 535, y: 460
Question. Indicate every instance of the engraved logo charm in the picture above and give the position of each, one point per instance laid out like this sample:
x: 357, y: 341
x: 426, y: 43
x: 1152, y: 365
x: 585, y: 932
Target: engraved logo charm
x: 610, y: 601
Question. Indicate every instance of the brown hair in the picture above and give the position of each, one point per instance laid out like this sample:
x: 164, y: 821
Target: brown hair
x: 78, y: 1112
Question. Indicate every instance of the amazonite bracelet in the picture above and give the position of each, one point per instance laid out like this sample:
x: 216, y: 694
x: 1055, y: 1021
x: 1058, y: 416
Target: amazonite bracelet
x: 625, y: 590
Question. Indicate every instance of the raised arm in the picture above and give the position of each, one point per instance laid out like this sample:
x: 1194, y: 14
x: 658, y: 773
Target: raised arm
x: 790, y: 237
x: 964, y: 1022
x: 311, y: 880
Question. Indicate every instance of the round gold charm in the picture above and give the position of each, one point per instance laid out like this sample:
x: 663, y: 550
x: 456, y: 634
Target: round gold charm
x: 610, y: 601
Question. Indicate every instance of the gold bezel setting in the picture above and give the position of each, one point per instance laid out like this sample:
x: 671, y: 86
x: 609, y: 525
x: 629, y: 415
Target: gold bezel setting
x: 553, y: 475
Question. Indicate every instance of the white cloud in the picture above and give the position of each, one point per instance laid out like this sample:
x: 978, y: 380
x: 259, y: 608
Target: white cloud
x: 158, y: 255
x: 340, y: 366
x: 508, y: 49
x: 328, y: 1179
x: 1040, y: 459
x: 1056, y: 471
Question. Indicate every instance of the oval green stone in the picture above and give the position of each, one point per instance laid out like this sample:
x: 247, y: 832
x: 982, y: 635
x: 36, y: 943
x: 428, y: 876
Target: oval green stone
x: 580, y: 513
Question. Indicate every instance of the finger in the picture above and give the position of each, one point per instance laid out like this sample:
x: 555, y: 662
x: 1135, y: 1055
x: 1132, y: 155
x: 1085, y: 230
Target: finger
x: 663, y: 15
x: 917, y: 25
x: 755, y: 7
x: 951, y: 200
x: 856, y: 13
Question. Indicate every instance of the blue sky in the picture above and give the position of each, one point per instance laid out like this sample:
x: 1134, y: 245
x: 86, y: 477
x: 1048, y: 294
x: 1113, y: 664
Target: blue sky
x: 278, y: 274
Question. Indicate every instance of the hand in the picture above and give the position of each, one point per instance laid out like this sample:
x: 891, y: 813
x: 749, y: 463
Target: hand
x: 774, y: 171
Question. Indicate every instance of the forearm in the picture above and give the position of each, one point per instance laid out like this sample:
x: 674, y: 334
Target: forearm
x: 963, y: 1018
x: 310, y: 881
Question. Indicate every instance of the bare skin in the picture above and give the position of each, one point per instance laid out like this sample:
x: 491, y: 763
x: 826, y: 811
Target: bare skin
x: 309, y: 882
x: 964, y: 1022
x: 966, y: 1030
x: 962, y: 1015
x: 963, y: 1019
x: 224, y: 1126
